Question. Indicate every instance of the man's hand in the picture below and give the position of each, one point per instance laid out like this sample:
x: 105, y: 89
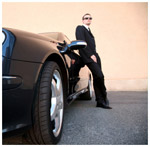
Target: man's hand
x: 94, y: 58
x: 73, y: 61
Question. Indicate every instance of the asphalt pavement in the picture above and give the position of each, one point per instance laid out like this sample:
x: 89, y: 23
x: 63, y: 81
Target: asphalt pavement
x: 125, y: 124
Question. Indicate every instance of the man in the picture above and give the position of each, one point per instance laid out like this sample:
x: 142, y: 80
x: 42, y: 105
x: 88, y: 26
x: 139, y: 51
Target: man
x: 92, y: 60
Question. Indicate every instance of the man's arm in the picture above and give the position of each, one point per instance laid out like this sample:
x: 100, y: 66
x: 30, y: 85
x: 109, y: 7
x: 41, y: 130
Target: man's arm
x: 81, y: 36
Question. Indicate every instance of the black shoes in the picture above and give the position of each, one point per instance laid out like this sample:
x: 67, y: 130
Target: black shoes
x: 103, y: 104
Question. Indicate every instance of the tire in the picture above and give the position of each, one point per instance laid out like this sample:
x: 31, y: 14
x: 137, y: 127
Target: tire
x: 87, y: 95
x: 49, y: 107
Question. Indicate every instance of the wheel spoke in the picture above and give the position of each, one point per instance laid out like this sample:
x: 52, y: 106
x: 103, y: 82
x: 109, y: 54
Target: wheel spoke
x: 58, y: 84
x: 57, y: 122
x: 54, y: 89
x: 59, y: 103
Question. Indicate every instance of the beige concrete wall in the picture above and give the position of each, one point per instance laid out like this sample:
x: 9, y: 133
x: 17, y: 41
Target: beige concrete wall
x: 120, y: 30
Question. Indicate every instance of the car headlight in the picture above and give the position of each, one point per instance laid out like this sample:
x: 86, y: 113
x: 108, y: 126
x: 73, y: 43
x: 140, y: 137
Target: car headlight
x: 3, y: 37
x: 8, y: 42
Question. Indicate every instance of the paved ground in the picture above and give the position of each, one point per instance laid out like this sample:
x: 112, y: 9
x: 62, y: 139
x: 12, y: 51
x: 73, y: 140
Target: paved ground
x: 126, y: 123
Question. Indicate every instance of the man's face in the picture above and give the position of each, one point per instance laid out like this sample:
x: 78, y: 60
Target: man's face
x: 87, y: 20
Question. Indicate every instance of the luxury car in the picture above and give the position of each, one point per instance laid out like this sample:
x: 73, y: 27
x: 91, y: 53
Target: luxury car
x: 42, y: 74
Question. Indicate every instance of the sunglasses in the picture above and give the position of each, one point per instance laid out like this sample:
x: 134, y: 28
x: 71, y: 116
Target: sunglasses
x: 88, y: 18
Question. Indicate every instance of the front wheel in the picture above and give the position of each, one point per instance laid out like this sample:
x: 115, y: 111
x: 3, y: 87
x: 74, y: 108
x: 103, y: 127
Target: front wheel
x: 49, y: 107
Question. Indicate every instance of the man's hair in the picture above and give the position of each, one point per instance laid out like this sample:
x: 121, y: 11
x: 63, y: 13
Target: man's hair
x: 85, y: 15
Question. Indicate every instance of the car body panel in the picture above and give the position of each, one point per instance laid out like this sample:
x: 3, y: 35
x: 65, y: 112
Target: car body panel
x: 32, y: 47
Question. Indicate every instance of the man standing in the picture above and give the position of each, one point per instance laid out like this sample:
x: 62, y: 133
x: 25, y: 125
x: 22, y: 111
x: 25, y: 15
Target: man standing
x: 92, y: 60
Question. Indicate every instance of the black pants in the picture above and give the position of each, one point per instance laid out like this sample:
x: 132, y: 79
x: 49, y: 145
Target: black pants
x: 98, y: 79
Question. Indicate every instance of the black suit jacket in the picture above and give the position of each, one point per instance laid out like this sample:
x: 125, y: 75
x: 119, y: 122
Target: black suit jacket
x: 83, y: 34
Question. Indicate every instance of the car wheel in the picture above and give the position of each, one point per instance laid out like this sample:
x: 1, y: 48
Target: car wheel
x: 88, y: 94
x: 49, y: 107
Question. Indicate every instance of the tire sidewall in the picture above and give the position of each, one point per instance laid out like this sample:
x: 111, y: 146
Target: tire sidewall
x: 49, y: 123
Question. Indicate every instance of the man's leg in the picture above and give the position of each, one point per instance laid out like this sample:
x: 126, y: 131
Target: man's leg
x: 102, y: 80
x: 98, y: 81
x: 99, y: 86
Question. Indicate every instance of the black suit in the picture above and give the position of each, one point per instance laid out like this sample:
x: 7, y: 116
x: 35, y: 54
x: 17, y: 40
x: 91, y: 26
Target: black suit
x: 100, y: 90
x: 83, y: 34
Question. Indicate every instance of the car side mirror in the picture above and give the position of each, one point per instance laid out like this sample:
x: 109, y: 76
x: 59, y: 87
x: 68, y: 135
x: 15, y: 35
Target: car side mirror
x: 74, y: 45
x: 78, y: 44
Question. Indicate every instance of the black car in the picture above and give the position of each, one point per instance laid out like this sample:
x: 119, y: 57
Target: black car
x: 42, y: 74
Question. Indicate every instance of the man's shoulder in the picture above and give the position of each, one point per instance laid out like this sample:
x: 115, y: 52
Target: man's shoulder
x: 80, y: 27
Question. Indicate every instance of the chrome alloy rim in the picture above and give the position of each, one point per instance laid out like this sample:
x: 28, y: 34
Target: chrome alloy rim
x: 57, y: 102
x: 90, y: 87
